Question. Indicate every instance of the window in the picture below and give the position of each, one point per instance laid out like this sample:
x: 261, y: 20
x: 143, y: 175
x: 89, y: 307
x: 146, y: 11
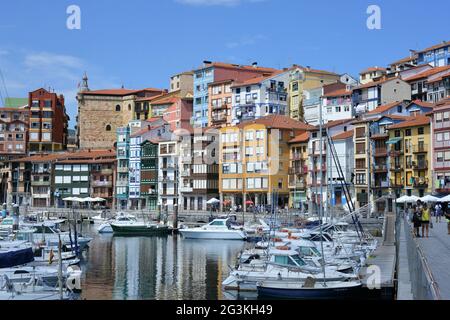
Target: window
x: 420, y: 130
x: 117, y: 108
x: 46, y: 136
x: 108, y: 128
x: 360, y: 132
x: 248, y: 135
x: 259, y: 134
x: 360, y: 178
x: 399, y: 109
x: 408, y: 132
x: 249, y: 151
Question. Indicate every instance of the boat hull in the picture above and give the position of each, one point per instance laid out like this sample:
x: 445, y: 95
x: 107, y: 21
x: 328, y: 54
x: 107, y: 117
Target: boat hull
x: 212, y: 235
x: 318, y: 292
x: 140, y: 230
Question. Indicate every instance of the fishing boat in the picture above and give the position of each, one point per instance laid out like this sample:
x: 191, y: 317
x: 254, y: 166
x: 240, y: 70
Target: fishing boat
x: 309, y: 289
x: 218, y: 229
x: 105, y: 227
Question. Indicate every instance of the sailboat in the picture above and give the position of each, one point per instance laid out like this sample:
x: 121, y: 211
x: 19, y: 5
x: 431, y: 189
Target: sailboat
x: 312, y: 287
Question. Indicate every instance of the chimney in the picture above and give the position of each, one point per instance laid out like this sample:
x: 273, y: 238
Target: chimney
x: 255, y: 64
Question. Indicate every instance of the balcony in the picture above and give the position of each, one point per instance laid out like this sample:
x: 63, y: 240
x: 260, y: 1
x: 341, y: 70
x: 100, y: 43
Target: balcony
x: 381, y: 184
x: 186, y: 189
x: 185, y: 173
x: 219, y: 118
x: 295, y: 184
x: 442, y: 125
x: 122, y: 169
x: 219, y: 107
x: 380, y: 168
x: 421, y: 165
x: 40, y: 183
x: 167, y: 179
x: 169, y: 166
x: 420, y: 182
x: 380, y: 152
x: 396, y: 184
x: 317, y: 168
x: 105, y: 184
x: 396, y: 167
x: 420, y: 148
x: 316, y: 151
x: 298, y: 170
x: 396, y: 152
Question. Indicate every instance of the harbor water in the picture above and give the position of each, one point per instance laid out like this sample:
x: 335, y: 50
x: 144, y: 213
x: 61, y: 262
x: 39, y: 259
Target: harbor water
x: 169, y: 267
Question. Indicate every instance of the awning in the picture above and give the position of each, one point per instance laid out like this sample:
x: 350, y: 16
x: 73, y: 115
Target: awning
x: 393, y: 140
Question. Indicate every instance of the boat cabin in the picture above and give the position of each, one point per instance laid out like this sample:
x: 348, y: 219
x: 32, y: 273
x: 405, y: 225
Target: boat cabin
x: 288, y: 258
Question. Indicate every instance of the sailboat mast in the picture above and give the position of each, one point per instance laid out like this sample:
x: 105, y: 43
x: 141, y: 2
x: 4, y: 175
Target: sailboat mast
x: 321, y: 190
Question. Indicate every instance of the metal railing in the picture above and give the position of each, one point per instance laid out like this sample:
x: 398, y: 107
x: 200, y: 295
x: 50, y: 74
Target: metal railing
x: 423, y: 284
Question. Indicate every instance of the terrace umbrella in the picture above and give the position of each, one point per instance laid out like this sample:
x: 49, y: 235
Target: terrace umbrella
x: 429, y: 198
x: 403, y: 199
x: 445, y: 199
x: 213, y: 201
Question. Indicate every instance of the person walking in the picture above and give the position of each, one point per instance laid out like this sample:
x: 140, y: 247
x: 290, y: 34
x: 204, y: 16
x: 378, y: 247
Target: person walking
x: 438, y: 212
x: 425, y: 220
x: 416, y: 219
x: 447, y: 216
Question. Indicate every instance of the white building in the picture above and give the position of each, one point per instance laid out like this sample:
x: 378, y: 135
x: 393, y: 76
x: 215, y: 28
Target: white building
x: 259, y: 97
x: 168, y: 174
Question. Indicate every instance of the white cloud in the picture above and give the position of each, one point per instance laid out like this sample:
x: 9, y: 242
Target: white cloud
x: 246, y: 41
x: 224, y: 3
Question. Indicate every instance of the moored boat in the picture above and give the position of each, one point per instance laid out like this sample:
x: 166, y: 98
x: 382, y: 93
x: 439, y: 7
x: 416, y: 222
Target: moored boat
x: 218, y: 229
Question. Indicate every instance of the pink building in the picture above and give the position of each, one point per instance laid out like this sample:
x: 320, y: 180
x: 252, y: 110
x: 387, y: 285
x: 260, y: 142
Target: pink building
x: 441, y: 146
x: 178, y: 113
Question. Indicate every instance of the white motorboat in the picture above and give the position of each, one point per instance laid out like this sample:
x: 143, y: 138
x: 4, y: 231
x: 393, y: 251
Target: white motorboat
x: 218, y: 229
x: 281, y: 265
x: 105, y: 228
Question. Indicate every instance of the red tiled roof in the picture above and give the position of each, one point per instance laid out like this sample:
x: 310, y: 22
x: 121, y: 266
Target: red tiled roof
x: 151, y: 98
x: 120, y: 92
x: 278, y: 122
x: 407, y: 59
x: 371, y: 69
x: 255, y: 80
x: 241, y: 67
x: 427, y: 73
x: 83, y: 154
x: 422, y: 103
x: 343, y: 135
x: 338, y: 93
x: 334, y: 123
x: 168, y: 100
x: 413, y: 121
x: 303, y: 137
x: 384, y: 108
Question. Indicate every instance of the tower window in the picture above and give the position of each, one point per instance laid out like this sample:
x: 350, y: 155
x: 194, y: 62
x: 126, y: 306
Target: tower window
x: 108, y: 128
x: 118, y: 108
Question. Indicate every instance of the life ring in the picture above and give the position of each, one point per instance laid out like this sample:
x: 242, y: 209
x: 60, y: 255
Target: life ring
x: 277, y: 240
x: 282, y: 248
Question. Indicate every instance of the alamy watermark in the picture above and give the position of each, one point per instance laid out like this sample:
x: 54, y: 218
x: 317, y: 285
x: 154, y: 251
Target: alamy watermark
x: 73, y: 21
x: 374, y: 19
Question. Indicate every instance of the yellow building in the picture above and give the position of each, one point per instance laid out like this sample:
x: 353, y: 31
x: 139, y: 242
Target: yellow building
x: 410, y: 157
x: 254, y: 161
x: 298, y: 170
x: 301, y: 79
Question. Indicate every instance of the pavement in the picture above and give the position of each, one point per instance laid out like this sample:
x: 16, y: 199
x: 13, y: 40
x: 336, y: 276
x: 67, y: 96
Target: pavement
x: 436, y: 249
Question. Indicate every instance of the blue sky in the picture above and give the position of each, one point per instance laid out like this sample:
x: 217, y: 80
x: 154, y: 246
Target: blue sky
x: 141, y: 43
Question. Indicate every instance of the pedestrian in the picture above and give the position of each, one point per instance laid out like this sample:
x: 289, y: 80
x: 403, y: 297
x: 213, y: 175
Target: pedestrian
x: 438, y: 212
x: 410, y: 213
x: 416, y: 221
x: 447, y: 216
x: 425, y: 220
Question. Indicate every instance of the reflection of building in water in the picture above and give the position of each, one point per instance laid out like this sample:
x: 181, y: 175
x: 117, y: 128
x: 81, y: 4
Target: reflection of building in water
x: 98, y: 283
x: 127, y: 268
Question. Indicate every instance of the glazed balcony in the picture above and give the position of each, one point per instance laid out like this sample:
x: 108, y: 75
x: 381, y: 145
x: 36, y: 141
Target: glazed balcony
x: 441, y: 164
x: 186, y: 189
x: 104, y: 184
x: 298, y: 170
x: 442, y: 125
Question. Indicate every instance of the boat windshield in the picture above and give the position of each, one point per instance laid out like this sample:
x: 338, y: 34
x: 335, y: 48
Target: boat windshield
x: 217, y: 223
x: 308, y: 251
x: 297, y: 260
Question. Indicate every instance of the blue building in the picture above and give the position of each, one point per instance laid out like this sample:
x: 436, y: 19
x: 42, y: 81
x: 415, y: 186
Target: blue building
x: 437, y: 56
x: 123, y: 154
x: 216, y: 71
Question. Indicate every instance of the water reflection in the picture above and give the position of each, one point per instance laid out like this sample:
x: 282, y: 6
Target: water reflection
x: 156, y: 268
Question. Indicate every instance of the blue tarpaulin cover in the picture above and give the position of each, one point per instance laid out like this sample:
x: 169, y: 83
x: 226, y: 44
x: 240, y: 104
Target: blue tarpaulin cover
x: 16, y: 257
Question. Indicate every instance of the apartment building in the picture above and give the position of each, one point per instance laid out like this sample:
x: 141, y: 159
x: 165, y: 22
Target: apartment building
x: 437, y: 55
x: 368, y: 97
x: 260, y: 97
x: 305, y: 78
x: 336, y: 102
x: 149, y: 174
x: 410, y: 156
x: 220, y: 105
x: 298, y: 171
x: 182, y: 83
x: 440, y: 141
x: 254, y: 161
x: 428, y: 85
x: 48, y: 122
x: 199, y: 169
x: 211, y: 72
x: 371, y: 74
x: 13, y: 132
